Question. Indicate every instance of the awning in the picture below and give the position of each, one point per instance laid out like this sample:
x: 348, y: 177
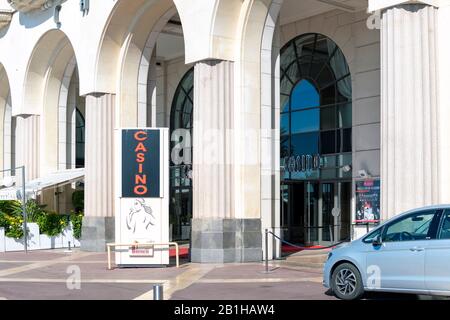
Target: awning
x: 58, y: 178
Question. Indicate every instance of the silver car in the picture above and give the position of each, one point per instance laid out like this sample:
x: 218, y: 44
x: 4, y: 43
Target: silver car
x: 409, y: 253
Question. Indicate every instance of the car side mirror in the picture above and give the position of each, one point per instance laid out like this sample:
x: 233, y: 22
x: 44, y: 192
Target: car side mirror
x: 376, y: 242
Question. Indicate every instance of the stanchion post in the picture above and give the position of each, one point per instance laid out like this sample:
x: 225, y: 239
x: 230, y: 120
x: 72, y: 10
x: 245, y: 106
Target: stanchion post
x: 267, y: 250
x: 158, y: 292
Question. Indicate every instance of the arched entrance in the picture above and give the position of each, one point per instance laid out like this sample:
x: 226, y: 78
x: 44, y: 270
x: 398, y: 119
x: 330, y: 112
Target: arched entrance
x: 315, y: 141
x: 181, y: 116
x: 48, y: 118
x: 7, y: 125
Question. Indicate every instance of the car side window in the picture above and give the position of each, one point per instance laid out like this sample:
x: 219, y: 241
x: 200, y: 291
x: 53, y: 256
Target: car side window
x: 371, y: 236
x: 444, y: 232
x: 412, y: 227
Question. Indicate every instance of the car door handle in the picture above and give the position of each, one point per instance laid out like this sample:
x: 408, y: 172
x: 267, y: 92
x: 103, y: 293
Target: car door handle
x: 417, y: 249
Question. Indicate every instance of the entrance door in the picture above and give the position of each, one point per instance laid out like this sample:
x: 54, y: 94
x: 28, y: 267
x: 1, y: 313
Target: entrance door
x: 316, y: 213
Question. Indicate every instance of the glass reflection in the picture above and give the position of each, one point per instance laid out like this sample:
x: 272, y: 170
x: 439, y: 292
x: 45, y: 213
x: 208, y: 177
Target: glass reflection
x: 304, y: 96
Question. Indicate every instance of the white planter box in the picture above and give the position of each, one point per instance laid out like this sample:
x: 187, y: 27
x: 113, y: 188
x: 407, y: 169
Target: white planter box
x: 37, y: 241
x: 14, y: 244
x: 2, y: 240
x: 47, y: 242
x: 67, y: 235
x: 33, y: 236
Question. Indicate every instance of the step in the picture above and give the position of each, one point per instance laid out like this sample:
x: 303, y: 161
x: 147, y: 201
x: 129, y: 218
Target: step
x: 309, y: 258
x: 309, y: 265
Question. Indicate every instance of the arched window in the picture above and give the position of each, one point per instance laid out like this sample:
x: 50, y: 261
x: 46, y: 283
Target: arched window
x: 316, y: 109
x: 80, y: 139
x: 180, y: 183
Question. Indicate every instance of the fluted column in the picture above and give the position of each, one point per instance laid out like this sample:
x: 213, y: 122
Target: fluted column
x: 98, y: 223
x: 27, y: 145
x: 217, y: 235
x: 213, y: 152
x: 409, y: 108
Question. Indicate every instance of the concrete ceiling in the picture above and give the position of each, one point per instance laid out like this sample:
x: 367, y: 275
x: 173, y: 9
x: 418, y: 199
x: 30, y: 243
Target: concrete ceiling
x: 169, y: 46
x: 293, y: 10
x: 170, y: 43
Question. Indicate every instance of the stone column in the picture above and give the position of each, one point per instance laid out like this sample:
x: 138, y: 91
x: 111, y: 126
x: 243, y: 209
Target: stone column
x: 409, y: 108
x: 27, y: 145
x: 217, y: 235
x: 98, y: 222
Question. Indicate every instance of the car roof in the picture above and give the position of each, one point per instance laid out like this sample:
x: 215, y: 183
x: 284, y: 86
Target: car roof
x: 431, y: 207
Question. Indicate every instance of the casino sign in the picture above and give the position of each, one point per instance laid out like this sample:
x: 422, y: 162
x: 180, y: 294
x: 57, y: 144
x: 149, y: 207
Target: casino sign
x: 302, y: 163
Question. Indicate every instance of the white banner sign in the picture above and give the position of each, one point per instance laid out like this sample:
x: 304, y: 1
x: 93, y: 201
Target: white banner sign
x: 142, y: 196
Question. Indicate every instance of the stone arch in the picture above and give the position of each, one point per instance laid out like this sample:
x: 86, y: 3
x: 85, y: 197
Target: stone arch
x: 125, y: 53
x: 66, y: 115
x: 45, y: 89
x: 271, y: 42
x: 6, y: 123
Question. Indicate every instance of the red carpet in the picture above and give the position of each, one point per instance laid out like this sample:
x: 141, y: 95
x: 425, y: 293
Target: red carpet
x: 288, y: 248
x: 184, y: 252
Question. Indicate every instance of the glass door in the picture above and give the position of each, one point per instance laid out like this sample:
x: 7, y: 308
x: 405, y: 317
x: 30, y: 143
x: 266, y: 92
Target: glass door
x: 327, y: 208
x: 316, y: 213
x: 327, y: 212
x: 311, y: 212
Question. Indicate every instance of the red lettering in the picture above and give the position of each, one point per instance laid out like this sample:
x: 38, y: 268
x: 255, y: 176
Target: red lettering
x: 140, y: 190
x: 140, y: 136
x: 141, y: 179
x: 140, y: 157
x: 140, y: 147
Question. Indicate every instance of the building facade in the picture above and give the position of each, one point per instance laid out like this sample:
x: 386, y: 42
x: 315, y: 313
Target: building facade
x: 305, y: 117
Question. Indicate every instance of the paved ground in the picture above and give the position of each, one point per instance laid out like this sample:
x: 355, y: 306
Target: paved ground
x: 52, y: 275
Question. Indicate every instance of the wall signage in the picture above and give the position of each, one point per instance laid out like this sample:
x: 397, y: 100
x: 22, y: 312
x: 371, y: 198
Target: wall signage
x: 367, y: 201
x: 142, y: 205
x: 140, y: 163
x: 302, y: 163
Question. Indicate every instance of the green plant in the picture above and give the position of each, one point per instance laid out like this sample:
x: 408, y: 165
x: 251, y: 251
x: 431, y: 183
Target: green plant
x: 10, y: 207
x: 51, y: 223
x: 13, y: 225
x: 77, y: 219
x: 34, y: 210
x: 11, y: 218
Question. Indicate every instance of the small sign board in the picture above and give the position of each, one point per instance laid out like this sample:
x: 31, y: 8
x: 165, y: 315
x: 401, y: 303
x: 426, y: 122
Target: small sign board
x: 142, y: 196
x: 367, y: 201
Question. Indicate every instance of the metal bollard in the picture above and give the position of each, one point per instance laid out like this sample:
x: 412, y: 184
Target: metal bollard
x: 267, y: 250
x: 70, y: 249
x: 158, y: 292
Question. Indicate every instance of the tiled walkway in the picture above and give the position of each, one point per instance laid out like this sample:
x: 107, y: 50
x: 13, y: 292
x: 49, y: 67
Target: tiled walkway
x: 53, y: 274
x: 50, y: 275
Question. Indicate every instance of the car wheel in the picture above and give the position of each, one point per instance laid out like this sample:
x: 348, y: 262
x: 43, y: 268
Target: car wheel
x: 346, y: 282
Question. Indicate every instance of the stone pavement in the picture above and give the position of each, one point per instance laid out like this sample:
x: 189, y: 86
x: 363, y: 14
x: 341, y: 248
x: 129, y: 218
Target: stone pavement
x: 49, y: 275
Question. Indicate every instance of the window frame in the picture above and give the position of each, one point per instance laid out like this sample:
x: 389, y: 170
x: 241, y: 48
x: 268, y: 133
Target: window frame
x: 433, y: 225
x: 441, y: 224
x: 299, y: 67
